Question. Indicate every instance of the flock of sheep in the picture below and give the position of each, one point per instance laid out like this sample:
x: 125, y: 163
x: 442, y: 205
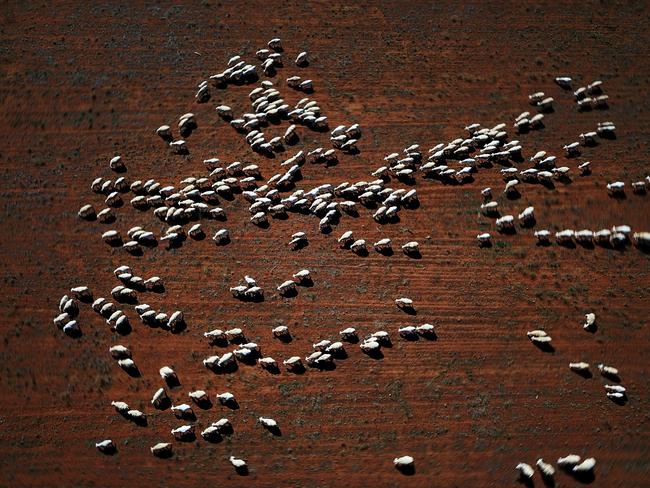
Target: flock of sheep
x: 186, y: 208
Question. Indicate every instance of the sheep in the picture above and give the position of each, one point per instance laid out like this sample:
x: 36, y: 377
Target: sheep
x: 382, y: 245
x: 411, y: 248
x: 404, y: 304
x: 62, y: 319
x: 505, y: 223
x: 542, y: 236
x: 546, y: 469
x: 116, y: 164
x: 293, y: 363
x: 222, y: 425
x: 164, y: 132
x: 564, y: 236
x: 569, y: 461
x: 639, y: 187
x: 536, y: 97
x: 106, y: 216
x: 348, y: 334
x: 226, y: 361
x: 490, y: 208
x: 545, y: 104
x: 585, y: 168
x: 590, y: 321
x: 335, y: 348
x: 602, y: 236
x: 588, y: 138
x: 162, y: 449
x: 183, y: 433
x: 511, y: 187
x: 580, y: 367
x: 615, y: 388
x: 358, y: 246
x: 136, y: 415
x: 239, y: 464
x: 539, y: 337
x: 183, y: 411
x: 606, y: 129
x: 525, y: 470
x: 641, y: 239
x: 584, y: 236
x: 425, y: 330
x: 484, y: 239
x: 268, y: 423
x: 287, y: 287
x: 572, y: 149
x: 210, y: 433
x: 585, y: 466
x: 176, y: 321
x: 178, y: 147
x: 618, y: 239
x: 608, y: 370
x: 221, y: 237
x: 617, y: 188
x: 160, y: 399
x: 111, y: 237
x: 346, y: 239
x: 107, y: 446
x: 168, y: 374
x: 370, y: 346
x: 408, y: 332
x: 303, y: 276
x: 71, y: 328
x: 87, y: 212
x: 403, y: 462
x: 616, y: 396
x: 198, y: 396
x: 119, y: 352
x: 226, y: 398
x: 268, y: 363
x: 563, y: 82
x: 527, y: 216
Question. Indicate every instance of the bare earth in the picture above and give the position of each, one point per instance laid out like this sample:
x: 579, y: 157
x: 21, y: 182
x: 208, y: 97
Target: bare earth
x: 81, y: 83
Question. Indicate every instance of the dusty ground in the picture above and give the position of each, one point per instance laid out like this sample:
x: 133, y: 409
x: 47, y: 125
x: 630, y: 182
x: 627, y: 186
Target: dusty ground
x: 81, y: 83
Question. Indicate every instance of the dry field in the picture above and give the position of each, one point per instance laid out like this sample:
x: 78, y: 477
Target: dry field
x: 81, y: 83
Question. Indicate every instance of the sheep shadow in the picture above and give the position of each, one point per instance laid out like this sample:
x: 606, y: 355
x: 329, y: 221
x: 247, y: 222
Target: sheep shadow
x: 430, y: 336
x: 204, y: 404
x: 414, y: 254
x: 619, y: 401
x: 408, y: 470
x: 376, y: 354
x: 172, y: 382
x: 274, y: 430
x: 133, y: 372
x: 529, y: 223
x: 214, y: 438
x: 586, y: 374
x: 163, y: 404
x: 298, y: 369
x: 109, y: 451
x: 567, y: 244
x: 231, y: 404
x: 585, y: 478
x: 545, y: 347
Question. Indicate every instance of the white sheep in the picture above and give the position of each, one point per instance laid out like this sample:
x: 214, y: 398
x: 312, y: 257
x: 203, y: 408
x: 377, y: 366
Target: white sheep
x: 162, y: 449
x: 525, y: 470
x: 183, y: 432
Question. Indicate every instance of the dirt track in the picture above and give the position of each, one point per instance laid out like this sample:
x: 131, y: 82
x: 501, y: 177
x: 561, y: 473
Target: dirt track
x: 80, y: 84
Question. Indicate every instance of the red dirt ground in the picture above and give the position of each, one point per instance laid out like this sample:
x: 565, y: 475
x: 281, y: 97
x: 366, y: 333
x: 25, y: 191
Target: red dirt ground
x: 81, y: 83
